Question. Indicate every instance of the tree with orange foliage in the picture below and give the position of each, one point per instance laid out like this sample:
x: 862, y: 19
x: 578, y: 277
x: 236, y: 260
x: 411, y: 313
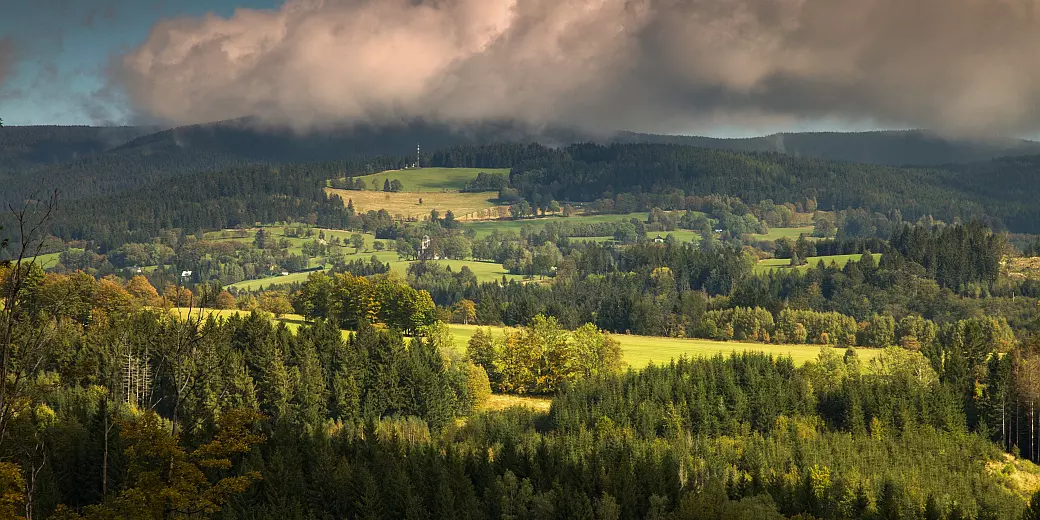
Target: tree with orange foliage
x: 140, y: 288
x: 178, y: 296
x: 111, y: 297
x: 224, y: 300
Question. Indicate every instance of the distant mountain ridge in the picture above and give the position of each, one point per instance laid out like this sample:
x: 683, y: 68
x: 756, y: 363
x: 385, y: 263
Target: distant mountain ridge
x: 34, y: 146
x: 86, y: 161
x: 245, y: 140
x: 888, y: 147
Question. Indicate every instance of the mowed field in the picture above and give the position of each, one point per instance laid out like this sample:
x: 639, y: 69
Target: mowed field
x: 405, y: 205
x: 784, y: 263
x: 429, y: 179
x: 638, y: 351
x: 438, y: 188
x: 792, y: 232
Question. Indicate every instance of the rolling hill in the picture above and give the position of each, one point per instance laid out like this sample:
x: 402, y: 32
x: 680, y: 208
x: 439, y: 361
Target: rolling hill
x: 87, y: 162
x: 894, y: 147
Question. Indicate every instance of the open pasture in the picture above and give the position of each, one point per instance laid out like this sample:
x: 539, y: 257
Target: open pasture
x: 792, y: 232
x: 486, y: 227
x: 784, y: 263
x: 484, y: 271
x: 638, y: 351
x: 48, y: 260
x: 262, y: 283
x: 428, y: 179
x: 405, y: 205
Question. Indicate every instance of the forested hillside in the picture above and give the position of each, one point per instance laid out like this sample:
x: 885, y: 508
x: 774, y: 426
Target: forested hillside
x: 84, y: 161
x: 88, y: 161
x: 908, y: 147
x: 126, y: 411
x: 245, y: 343
x: 34, y: 146
x: 1000, y: 192
x: 112, y: 193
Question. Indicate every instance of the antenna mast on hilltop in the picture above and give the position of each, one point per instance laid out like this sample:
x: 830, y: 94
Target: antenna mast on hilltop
x: 416, y: 155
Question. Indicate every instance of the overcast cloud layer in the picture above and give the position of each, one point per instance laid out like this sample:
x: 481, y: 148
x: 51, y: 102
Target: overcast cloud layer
x: 955, y: 65
x: 6, y: 58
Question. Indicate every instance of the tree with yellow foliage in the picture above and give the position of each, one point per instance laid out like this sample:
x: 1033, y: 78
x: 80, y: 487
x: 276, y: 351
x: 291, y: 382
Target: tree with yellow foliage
x: 12, y: 491
x: 165, y: 481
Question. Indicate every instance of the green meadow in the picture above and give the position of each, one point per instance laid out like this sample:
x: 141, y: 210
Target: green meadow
x: 792, y: 232
x: 428, y: 179
x: 639, y: 351
x: 784, y: 263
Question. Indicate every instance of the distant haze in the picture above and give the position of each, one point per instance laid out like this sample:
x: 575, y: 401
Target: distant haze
x: 962, y: 66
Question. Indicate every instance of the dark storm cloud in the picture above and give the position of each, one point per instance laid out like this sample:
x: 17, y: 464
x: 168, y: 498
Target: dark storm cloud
x: 957, y: 65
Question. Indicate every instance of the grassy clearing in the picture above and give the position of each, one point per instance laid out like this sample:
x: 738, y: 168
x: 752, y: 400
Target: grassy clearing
x: 1019, y: 475
x: 45, y: 261
x: 429, y: 179
x: 793, y: 233
x: 484, y: 271
x: 783, y: 263
x: 255, y: 285
x: 640, y: 351
x: 502, y: 401
x: 406, y: 205
x: 682, y: 235
x: 1024, y: 267
x: 486, y: 227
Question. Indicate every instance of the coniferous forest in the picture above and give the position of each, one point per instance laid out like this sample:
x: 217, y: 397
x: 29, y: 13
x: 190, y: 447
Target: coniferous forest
x: 143, y: 377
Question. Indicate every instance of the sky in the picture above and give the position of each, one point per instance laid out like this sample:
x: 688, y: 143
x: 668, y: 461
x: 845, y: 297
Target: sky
x: 59, y: 53
x: 709, y: 67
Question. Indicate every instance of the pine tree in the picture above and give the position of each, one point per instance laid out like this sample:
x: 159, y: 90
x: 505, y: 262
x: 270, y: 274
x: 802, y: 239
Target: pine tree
x: 931, y: 509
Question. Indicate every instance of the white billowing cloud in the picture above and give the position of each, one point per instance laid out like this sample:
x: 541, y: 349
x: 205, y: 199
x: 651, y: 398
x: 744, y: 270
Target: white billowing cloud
x: 958, y: 65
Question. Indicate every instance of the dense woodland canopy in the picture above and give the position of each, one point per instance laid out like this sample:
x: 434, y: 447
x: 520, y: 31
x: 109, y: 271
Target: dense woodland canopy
x: 999, y: 192
x: 344, y: 394
x: 314, y: 425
